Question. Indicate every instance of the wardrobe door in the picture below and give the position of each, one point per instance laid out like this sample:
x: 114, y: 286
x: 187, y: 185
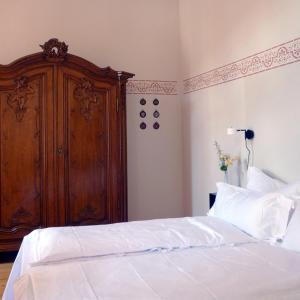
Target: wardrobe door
x: 87, y: 142
x: 24, y: 105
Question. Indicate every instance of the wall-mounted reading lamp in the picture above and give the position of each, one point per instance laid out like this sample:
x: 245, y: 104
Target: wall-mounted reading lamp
x: 249, y: 135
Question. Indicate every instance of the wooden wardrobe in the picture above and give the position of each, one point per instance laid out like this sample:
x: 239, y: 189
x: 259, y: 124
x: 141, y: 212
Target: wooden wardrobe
x: 63, y: 143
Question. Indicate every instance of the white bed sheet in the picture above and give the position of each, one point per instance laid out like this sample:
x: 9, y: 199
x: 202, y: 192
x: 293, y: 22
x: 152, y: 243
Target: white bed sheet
x: 50, y: 245
x: 61, y: 243
x: 93, y: 260
x: 249, y: 271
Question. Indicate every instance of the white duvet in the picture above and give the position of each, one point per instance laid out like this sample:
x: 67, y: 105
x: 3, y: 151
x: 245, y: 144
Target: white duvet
x: 65, y: 243
x: 186, y: 258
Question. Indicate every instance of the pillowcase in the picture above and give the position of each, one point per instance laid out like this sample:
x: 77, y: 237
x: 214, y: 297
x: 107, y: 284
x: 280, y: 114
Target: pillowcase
x: 292, y: 238
x: 262, y: 216
x: 291, y: 190
x: 258, y: 181
x: 261, y: 182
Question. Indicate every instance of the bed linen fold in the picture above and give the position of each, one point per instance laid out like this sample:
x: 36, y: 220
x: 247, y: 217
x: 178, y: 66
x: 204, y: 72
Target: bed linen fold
x: 65, y: 243
x: 54, y: 246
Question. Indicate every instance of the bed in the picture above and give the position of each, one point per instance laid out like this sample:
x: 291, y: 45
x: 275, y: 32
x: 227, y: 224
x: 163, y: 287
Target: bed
x: 248, y: 247
x: 185, y: 258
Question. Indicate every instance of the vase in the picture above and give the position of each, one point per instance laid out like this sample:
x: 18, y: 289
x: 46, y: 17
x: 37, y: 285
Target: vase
x: 226, y: 177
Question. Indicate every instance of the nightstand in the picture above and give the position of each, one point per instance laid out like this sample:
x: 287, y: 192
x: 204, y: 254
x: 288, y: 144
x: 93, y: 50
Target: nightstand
x: 212, y: 199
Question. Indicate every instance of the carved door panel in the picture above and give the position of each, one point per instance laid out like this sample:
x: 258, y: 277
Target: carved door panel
x: 86, y: 142
x: 24, y: 104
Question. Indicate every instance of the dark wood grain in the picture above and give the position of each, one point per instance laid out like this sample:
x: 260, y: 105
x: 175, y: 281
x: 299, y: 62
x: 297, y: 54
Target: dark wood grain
x: 63, y: 143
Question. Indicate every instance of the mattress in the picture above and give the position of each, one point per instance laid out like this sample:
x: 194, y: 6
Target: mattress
x: 186, y: 258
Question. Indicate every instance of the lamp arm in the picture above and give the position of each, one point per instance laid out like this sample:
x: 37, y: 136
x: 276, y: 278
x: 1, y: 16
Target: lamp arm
x: 249, y: 134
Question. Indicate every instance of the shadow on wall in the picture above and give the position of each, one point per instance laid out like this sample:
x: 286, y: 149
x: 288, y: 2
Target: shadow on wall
x: 206, y: 116
x: 197, y: 172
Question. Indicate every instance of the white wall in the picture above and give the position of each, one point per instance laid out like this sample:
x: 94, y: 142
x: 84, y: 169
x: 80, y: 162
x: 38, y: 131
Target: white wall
x: 214, y: 33
x: 137, y: 36
x: 273, y: 106
x: 154, y: 161
x: 206, y: 116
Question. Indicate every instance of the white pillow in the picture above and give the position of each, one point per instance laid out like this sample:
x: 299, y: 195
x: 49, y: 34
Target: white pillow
x: 262, y: 216
x: 261, y: 182
x: 258, y: 181
x: 225, y: 191
x: 292, y: 238
x: 291, y: 190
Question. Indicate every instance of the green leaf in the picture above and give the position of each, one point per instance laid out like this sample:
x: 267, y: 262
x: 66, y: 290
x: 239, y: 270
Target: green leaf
x: 223, y: 168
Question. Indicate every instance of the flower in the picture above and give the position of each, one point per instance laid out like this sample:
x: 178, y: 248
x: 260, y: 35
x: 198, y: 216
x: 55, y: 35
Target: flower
x: 225, y: 160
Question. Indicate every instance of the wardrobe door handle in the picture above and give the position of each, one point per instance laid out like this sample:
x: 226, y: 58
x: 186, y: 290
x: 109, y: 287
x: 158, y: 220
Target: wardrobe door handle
x: 60, y: 151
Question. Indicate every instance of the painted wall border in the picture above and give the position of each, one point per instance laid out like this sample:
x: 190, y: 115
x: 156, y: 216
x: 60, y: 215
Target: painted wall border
x: 277, y: 56
x: 154, y: 87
